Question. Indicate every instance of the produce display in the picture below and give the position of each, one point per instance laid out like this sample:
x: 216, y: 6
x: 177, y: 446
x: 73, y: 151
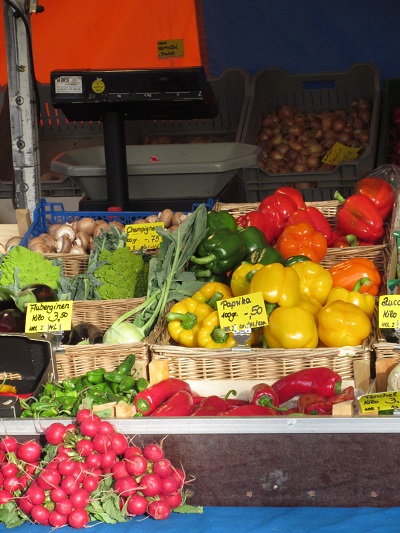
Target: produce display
x: 293, y: 141
x: 85, y: 473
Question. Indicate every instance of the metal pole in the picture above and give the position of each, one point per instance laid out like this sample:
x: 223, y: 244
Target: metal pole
x: 23, y: 110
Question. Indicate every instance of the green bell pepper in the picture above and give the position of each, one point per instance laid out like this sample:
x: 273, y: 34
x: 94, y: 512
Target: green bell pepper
x: 295, y: 259
x: 127, y: 384
x: 206, y: 275
x: 220, y: 219
x: 96, y: 376
x: 126, y: 366
x: 114, y: 377
x: 254, y: 239
x: 221, y: 251
x: 141, y: 384
x: 265, y: 255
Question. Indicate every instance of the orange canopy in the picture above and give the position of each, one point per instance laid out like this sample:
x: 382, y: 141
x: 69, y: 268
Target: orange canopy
x: 100, y: 34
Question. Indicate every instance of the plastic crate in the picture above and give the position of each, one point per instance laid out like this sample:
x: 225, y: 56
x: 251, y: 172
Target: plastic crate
x: 230, y: 90
x: 310, y: 93
x: 390, y: 99
x: 47, y: 214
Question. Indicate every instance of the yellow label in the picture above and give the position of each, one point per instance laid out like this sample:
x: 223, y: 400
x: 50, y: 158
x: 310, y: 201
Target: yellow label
x: 98, y: 86
x: 389, y: 311
x: 170, y: 48
x: 241, y: 312
x: 143, y: 235
x: 339, y: 153
x: 48, y: 316
x: 379, y: 401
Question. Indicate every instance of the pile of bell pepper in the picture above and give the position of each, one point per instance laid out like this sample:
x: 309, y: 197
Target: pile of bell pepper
x: 312, y: 391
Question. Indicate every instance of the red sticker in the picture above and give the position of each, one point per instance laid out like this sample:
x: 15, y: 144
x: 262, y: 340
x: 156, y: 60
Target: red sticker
x: 154, y: 159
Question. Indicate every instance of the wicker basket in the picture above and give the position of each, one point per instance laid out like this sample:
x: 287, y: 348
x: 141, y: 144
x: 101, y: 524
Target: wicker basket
x: 377, y: 253
x: 254, y: 363
x: 79, y: 359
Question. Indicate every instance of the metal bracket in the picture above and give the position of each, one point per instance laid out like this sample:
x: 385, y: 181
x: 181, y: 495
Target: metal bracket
x: 241, y: 336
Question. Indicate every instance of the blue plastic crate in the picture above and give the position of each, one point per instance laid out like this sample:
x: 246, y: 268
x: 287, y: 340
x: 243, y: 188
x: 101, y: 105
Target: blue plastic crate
x: 47, y: 214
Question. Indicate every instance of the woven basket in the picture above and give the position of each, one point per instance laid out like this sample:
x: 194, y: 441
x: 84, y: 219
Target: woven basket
x: 79, y: 359
x: 254, y: 363
x: 71, y: 264
x: 376, y: 253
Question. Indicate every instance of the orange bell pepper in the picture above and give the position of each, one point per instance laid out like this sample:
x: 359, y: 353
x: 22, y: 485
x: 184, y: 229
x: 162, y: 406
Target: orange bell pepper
x: 302, y: 239
x: 347, y: 273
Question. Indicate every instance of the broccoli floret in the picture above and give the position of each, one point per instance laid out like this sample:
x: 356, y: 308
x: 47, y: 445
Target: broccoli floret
x: 123, y: 276
x: 30, y: 267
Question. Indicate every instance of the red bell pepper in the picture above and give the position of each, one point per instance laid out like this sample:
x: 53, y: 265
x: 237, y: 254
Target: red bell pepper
x: 359, y: 216
x: 312, y: 216
x: 149, y: 399
x: 380, y: 192
x: 263, y: 394
x: 321, y: 380
x: 341, y: 240
x: 211, y: 406
x: 276, y: 209
x: 179, y: 404
x: 314, y: 404
x: 295, y: 194
x: 250, y: 410
x: 257, y: 219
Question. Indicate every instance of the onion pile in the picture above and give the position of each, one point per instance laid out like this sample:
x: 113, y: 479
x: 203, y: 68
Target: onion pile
x: 293, y: 141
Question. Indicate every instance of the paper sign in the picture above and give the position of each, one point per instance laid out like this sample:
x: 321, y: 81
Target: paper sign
x: 48, y: 316
x: 170, y: 48
x: 389, y: 311
x: 242, y: 311
x: 379, y: 401
x: 339, y: 153
x: 143, y: 235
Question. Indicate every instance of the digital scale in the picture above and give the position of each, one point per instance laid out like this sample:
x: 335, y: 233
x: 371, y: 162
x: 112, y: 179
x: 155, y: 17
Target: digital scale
x: 112, y: 96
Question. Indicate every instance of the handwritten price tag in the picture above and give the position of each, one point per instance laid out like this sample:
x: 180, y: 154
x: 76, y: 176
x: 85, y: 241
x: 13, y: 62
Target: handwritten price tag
x: 143, y: 235
x: 242, y: 311
x: 379, y: 401
x: 339, y: 153
x: 389, y: 311
x: 48, y: 316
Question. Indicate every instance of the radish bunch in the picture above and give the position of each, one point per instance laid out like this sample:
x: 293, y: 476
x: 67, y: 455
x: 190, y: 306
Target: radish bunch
x: 86, y: 471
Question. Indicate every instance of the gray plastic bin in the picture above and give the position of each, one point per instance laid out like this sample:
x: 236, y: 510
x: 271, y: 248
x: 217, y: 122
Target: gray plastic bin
x: 161, y: 171
x: 312, y: 93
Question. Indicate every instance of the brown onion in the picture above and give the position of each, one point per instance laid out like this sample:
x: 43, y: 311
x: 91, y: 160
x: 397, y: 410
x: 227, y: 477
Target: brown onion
x: 365, y: 115
x: 284, y: 148
x: 338, y: 125
x: 296, y: 130
x: 268, y: 122
x: 276, y: 139
x: 276, y: 156
x: 313, y: 162
x: 300, y: 167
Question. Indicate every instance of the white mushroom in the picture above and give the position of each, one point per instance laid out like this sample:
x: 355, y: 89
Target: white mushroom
x: 86, y: 224
x: 118, y: 225
x: 63, y: 244
x: 53, y: 228
x: 14, y: 241
x: 78, y: 250
x: 2, y: 249
x: 67, y: 230
x: 39, y: 247
x: 82, y: 239
x: 101, y: 225
x: 36, y: 241
x: 152, y: 218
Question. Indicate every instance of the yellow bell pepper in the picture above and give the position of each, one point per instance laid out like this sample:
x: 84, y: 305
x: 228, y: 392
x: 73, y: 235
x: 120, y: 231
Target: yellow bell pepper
x: 311, y: 305
x: 211, y: 292
x: 364, y: 301
x: 277, y: 283
x: 343, y: 324
x: 185, y: 320
x: 241, y: 277
x: 291, y: 327
x: 8, y: 388
x: 315, y: 280
x: 212, y: 336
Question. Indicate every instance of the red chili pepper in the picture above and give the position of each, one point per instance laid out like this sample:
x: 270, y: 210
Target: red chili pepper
x: 276, y: 209
x: 231, y: 402
x: 380, y: 192
x: 291, y: 411
x: 211, y: 406
x: 359, y: 216
x: 311, y: 403
x: 263, y: 394
x: 149, y: 399
x: 344, y: 396
x: 312, y: 216
x: 179, y: 404
x: 257, y: 219
x: 321, y: 380
x: 323, y: 406
x: 250, y: 410
x: 295, y: 194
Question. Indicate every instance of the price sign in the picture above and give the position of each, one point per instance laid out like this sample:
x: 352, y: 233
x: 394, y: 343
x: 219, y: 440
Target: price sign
x: 48, y: 316
x: 338, y: 153
x: 379, y: 401
x: 242, y: 311
x: 389, y: 311
x: 143, y: 235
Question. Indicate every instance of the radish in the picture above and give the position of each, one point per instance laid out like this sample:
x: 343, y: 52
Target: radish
x: 67, y: 467
x: 107, y: 459
x: 153, y: 452
x: 90, y: 483
x: 84, y: 447
x: 5, y: 496
x: 159, y: 510
x: 78, y: 518
x: 126, y: 486
x: 8, y: 444
x: 118, y: 470
x: 136, y: 465
x: 9, y: 469
x: 89, y: 427
x: 57, y: 494
x: 83, y: 414
x: 132, y: 450
x: 179, y: 475
x: 64, y: 507
x: 101, y: 442
x: 106, y: 428
x: 12, y: 484
x: 69, y: 484
x: 47, y: 479
x: 35, y: 494
x: 174, y: 500
x: 24, y: 504
x: 29, y: 451
x: 150, y: 484
x: 137, y: 505
x: 93, y: 460
x: 162, y: 467
x: 169, y: 485
x: 119, y: 443
x: 55, y: 433
x: 57, y: 519
x: 79, y: 499
x: 80, y: 471
x: 31, y: 468
x: 40, y: 515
